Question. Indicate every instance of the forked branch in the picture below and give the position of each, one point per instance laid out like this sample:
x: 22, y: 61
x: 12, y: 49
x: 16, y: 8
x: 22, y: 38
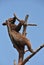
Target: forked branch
x: 30, y: 56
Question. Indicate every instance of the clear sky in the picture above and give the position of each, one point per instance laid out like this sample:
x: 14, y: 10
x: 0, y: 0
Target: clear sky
x: 35, y: 9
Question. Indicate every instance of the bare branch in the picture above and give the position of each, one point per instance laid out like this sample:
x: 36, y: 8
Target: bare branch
x: 26, y: 51
x: 16, y: 17
x: 30, y: 56
x: 30, y: 24
x: 24, y: 26
x: 14, y: 62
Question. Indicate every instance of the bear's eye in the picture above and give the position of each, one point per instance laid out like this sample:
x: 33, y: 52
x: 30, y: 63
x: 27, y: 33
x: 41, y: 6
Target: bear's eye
x: 11, y: 22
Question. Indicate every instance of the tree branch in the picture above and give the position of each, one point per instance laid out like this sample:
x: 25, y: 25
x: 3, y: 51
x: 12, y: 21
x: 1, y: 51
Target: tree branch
x: 30, y: 24
x: 26, y: 51
x: 14, y: 62
x: 30, y: 56
x: 24, y: 26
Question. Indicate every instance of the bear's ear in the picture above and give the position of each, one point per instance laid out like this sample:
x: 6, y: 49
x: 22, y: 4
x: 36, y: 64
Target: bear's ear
x: 5, y: 23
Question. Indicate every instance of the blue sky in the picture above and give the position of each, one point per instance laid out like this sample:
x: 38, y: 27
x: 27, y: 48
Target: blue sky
x: 35, y: 9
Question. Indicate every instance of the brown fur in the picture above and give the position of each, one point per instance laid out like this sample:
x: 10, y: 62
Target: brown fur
x: 16, y: 37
